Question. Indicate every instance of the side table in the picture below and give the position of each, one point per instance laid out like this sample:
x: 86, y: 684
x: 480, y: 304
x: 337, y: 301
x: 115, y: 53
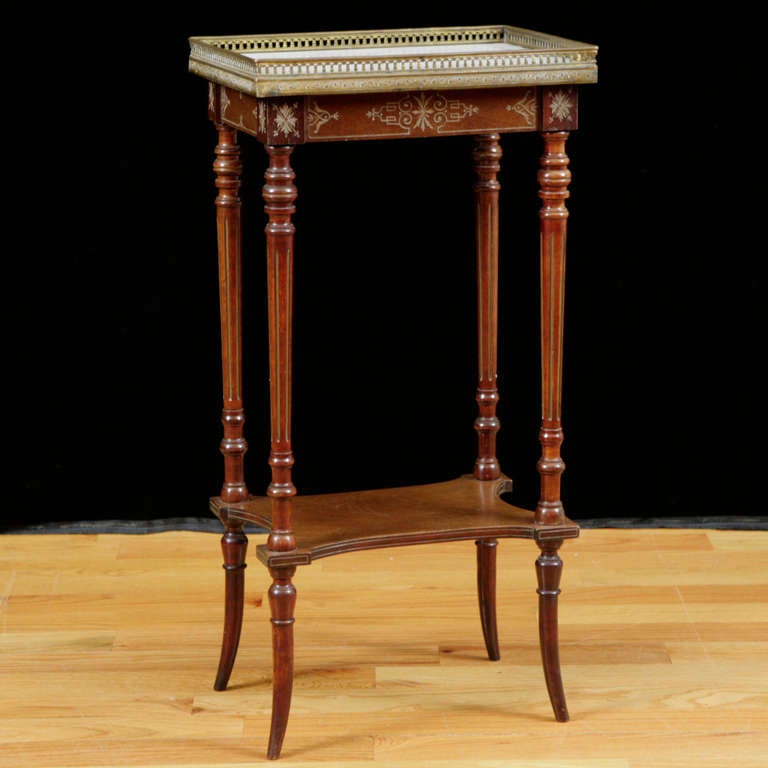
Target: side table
x: 290, y: 90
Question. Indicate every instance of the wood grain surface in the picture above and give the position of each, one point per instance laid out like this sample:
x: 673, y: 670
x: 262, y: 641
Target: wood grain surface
x: 109, y: 645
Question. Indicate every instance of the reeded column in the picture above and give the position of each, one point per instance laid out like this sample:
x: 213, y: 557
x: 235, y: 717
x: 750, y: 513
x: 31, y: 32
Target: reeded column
x: 279, y: 196
x: 486, y: 163
x: 228, y: 169
x: 554, y: 178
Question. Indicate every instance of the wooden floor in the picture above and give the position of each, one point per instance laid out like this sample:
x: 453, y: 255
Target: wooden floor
x: 109, y: 643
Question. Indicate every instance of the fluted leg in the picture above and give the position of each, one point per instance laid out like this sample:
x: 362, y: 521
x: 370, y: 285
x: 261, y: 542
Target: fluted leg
x: 549, y: 568
x: 233, y: 446
x: 554, y: 178
x: 282, y: 601
x: 486, y: 593
x: 486, y: 159
x: 233, y: 545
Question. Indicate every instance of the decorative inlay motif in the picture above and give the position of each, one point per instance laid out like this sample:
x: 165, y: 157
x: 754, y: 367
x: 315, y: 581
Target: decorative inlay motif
x: 286, y: 118
x: 225, y: 102
x: 525, y: 107
x: 260, y: 113
x: 318, y: 117
x: 423, y: 112
x: 561, y: 106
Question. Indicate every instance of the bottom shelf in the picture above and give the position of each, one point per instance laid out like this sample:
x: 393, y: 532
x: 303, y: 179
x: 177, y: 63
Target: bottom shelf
x: 459, y: 509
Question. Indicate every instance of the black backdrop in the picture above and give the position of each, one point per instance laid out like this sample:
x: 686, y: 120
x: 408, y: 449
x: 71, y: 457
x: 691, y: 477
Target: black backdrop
x: 112, y: 377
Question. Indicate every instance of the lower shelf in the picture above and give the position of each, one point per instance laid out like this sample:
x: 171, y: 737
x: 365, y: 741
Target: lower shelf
x: 459, y: 509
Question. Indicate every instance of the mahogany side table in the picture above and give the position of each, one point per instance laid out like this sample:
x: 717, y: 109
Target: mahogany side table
x: 290, y: 90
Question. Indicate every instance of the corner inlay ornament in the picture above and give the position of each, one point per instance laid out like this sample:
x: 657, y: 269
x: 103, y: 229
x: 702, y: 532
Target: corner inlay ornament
x: 423, y: 112
x: 286, y: 119
x: 561, y: 106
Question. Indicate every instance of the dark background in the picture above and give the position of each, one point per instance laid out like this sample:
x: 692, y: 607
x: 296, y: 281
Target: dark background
x: 113, y: 354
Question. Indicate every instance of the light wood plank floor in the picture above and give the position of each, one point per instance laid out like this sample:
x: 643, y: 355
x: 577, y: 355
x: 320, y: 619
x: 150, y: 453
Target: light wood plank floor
x: 109, y: 643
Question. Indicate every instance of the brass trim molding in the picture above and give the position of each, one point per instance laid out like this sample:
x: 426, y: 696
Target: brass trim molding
x: 391, y: 60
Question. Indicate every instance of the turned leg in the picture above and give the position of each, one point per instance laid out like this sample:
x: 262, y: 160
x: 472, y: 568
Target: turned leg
x: 279, y: 195
x: 233, y: 446
x: 486, y: 593
x: 282, y: 601
x: 549, y: 568
x: 486, y: 159
x: 554, y: 178
x: 233, y: 546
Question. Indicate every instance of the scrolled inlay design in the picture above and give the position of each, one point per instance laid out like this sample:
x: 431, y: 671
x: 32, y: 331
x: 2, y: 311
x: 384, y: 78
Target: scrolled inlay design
x: 422, y: 112
x: 526, y: 107
x: 318, y: 117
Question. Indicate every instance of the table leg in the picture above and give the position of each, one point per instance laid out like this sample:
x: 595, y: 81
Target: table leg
x: 486, y: 157
x: 279, y: 195
x: 549, y: 568
x: 554, y: 178
x: 486, y: 162
x: 282, y: 601
x: 486, y: 593
x: 228, y: 168
x: 233, y: 545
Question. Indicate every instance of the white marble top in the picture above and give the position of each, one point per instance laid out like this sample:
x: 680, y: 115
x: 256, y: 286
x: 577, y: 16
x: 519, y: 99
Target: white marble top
x: 400, y: 51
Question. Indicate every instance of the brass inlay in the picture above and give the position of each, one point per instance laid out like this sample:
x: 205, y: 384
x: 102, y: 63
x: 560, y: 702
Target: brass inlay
x: 229, y: 323
x: 288, y: 362
x: 489, y: 330
x: 525, y: 107
x: 285, y: 118
x: 260, y: 113
x: 318, y: 117
x: 275, y: 311
x: 236, y: 363
x: 225, y: 102
x: 561, y: 106
x: 422, y: 112
x: 553, y: 341
x: 553, y: 378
